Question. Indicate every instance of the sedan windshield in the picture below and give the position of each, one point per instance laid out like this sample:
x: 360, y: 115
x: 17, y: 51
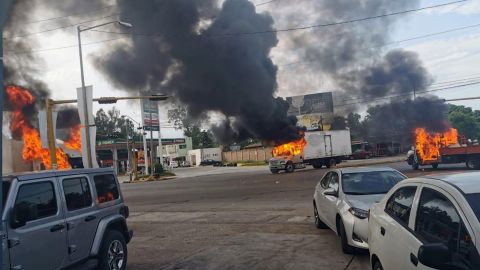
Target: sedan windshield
x: 474, y: 201
x: 364, y: 183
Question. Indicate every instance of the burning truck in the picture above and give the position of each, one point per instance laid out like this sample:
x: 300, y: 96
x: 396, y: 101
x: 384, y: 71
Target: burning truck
x: 316, y: 148
x: 432, y: 149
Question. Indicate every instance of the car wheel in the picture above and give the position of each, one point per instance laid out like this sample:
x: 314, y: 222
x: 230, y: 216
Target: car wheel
x: 318, y: 222
x: 473, y: 164
x: 377, y: 266
x: 273, y: 171
x: 435, y: 166
x: 415, y: 165
x: 113, y: 252
x: 346, y: 248
x: 289, y: 167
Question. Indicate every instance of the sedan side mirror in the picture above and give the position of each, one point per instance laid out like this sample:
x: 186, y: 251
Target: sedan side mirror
x: 330, y: 192
x: 434, y: 255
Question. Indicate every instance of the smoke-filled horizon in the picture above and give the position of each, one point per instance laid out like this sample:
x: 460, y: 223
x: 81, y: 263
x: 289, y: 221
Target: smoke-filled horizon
x: 190, y: 59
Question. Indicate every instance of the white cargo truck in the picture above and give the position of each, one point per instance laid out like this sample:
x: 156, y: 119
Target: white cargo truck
x: 320, y: 148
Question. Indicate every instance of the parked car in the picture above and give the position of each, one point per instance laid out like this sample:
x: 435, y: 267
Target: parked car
x: 173, y: 164
x: 73, y: 219
x: 428, y: 223
x: 361, y: 154
x: 343, y: 197
x: 209, y: 162
x: 185, y: 164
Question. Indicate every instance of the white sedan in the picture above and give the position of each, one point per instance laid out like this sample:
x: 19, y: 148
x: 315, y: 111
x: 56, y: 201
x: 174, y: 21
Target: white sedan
x: 343, y: 197
x: 428, y: 223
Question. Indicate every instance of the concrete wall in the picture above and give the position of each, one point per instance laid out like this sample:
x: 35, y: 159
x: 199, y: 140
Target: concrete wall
x: 257, y: 154
x: 198, y: 155
x: 12, y: 157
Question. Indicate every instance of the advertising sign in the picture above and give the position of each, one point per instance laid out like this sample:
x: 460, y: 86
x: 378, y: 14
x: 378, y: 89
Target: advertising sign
x: 315, y: 111
x: 150, y: 115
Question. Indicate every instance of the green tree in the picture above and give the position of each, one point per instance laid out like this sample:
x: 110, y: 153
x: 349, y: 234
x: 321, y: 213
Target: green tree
x: 192, y: 127
x: 465, y: 120
x: 111, y: 125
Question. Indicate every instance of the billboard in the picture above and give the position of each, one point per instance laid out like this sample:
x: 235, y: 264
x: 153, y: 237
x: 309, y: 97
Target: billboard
x: 315, y: 111
x: 150, y: 115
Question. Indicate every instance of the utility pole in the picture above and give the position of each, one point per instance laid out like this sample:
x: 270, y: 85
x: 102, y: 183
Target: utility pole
x: 52, y: 148
x: 4, y: 10
x: 129, y: 163
x: 150, y: 103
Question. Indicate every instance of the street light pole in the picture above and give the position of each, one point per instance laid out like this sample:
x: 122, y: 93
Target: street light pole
x: 84, y: 92
x: 85, y: 104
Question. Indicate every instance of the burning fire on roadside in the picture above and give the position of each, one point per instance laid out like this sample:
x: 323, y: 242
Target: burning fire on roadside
x: 75, y: 140
x: 21, y: 98
x: 290, y: 149
x: 428, y: 145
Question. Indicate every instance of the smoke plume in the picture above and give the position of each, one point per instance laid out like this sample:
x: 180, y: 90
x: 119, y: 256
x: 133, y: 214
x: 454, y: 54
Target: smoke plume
x: 190, y: 59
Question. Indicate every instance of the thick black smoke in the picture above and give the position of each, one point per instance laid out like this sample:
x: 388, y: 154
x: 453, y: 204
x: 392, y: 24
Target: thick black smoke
x: 190, y: 59
x: 24, y: 68
x: 356, y: 60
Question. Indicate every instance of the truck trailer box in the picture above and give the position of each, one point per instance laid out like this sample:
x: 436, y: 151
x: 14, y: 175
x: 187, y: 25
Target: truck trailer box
x: 321, y: 144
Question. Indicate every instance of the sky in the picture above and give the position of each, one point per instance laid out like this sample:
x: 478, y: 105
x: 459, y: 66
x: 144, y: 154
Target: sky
x: 448, y: 57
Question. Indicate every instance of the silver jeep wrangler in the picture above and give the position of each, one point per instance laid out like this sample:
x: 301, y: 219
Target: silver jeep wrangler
x: 74, y: 219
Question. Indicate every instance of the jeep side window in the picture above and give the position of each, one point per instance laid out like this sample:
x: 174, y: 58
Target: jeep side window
x: 77, y: 193
x: 35, y: 201
x: 106, y: 187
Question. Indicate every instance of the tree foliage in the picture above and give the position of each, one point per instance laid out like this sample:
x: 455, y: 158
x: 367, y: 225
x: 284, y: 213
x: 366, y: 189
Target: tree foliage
x: 466, y: 120
x: 111, y: 125
x: 201, y: 138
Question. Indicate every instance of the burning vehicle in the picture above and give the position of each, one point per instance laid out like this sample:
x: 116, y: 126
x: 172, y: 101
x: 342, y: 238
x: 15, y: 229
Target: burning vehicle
x: 21, y: 102
x: 443, y: 148
x: 316, y: 148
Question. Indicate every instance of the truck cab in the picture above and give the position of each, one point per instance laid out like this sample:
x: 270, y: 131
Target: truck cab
x: 72, y: 219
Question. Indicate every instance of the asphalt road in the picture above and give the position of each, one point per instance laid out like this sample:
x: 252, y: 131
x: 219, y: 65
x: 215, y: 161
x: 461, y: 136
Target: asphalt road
x: 246, y: 219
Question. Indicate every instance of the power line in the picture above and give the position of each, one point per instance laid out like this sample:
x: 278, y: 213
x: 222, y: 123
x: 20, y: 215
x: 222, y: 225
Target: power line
x: 64, y: 47
x: 299, y: 28
x: 61, y: 27
x: 364, y: 100
x: 264, y: 3
x: 438, y: 87
x: 396, y: 42
x: 66, y: 16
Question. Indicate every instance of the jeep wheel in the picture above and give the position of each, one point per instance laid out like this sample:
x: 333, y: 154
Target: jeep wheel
x: 113, y: 253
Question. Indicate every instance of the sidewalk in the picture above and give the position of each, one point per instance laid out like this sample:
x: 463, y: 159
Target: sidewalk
x: 371, y: 161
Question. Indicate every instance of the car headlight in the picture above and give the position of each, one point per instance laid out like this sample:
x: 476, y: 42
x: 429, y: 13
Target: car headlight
x: 359, y: 213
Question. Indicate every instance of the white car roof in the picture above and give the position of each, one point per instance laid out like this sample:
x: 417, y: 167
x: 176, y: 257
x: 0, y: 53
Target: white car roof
x: 467, y: 183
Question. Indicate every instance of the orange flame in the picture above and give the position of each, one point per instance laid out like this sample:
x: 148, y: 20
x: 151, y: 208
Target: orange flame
x: 19, y: 98
x: 290, y: 149
x: 75, y: 140
x: 428, y: 144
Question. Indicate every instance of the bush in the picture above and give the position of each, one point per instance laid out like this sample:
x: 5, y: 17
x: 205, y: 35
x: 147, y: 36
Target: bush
x: 157, y: 168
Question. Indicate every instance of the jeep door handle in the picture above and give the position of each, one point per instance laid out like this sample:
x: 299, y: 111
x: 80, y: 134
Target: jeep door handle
x: 90, y: 218
x: 413, y: 259
x: 382, y: 230
x: 57, y: 227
